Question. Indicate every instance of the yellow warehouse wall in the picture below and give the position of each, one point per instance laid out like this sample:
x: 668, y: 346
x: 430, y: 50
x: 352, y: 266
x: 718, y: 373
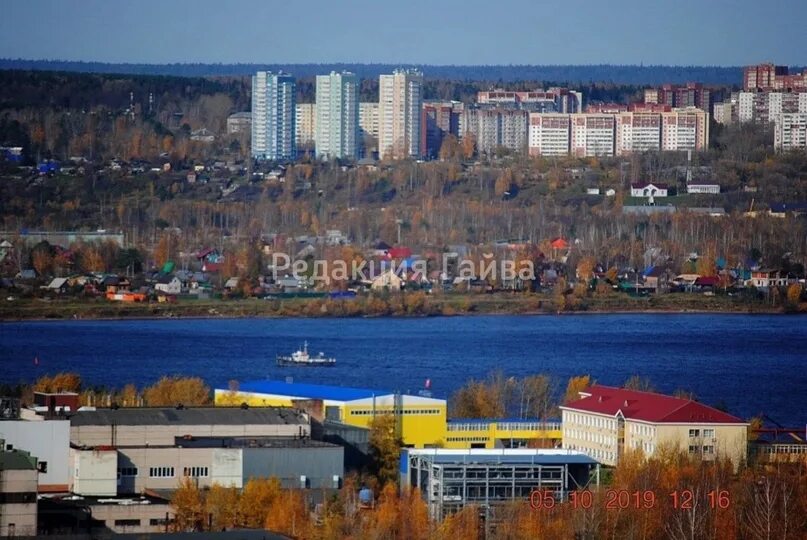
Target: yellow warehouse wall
x: 417, y: 429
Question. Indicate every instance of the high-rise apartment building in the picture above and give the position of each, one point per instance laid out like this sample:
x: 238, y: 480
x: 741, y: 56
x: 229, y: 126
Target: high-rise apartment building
x: 768, y: 77
x: 638, y: 132
x: 400, y: 100
x: 496, y: 127
x: 790, y: 132
x: 684, y: 129
x: 593, y: 135
x: 306, y: 125
x: 368, y: 127
x: 439, y: 119
x: 608, y: 134
x: 337, y: 116
x: 273, y: 116
x: 561, y: 100
x: 681, y: 96
x: 549, y: 134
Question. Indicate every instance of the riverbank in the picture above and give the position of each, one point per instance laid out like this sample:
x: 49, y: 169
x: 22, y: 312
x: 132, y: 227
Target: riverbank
x: 410, y: 305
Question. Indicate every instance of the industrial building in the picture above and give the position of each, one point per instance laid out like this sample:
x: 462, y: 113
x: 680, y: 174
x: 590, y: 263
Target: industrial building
x: 49, y: 442
x: 450, y: 479
x: 122, y: 451
x: 18, y: 492
x: 422, y: 420
x: 606, y: 422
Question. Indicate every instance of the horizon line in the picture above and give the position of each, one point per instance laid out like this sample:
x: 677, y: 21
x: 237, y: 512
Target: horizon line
x: 378, y: 63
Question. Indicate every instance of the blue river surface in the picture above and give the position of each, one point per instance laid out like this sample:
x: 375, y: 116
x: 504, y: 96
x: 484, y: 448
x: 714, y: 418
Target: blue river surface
x: 747, y: 363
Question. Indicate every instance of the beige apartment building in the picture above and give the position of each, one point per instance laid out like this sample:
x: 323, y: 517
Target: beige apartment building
x: 400, y: 100
x: 606, y: 422
x: 306, y: 118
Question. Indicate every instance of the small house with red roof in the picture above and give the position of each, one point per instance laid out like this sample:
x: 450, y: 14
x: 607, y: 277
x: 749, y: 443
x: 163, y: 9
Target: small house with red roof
x: 606, y: 422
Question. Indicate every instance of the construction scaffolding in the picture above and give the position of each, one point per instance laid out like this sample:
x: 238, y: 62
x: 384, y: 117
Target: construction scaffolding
x: 451, y: 479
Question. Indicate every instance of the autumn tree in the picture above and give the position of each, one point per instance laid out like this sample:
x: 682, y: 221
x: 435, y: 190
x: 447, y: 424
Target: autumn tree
x: 450, y: 148
x: 536, y: 400
x: 464, y: 524
x: 483, y: 399
x: 257, y: 498
x: 188, y: 507
x: 575, y: 386
x: 637, y: 382
x: 385, y: 447
x: 170, y: 391
x: 289, y: 514
x: 60, y: 382
x: 468, y: 145
x: 221, y: 503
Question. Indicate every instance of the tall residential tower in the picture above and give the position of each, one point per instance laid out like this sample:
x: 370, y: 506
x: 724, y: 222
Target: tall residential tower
x: 337, y: 116
x: 400, y: 99
x: 273, y: 112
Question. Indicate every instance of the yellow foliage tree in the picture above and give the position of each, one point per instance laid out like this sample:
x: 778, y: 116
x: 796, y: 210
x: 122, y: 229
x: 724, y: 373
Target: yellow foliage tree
x: 257, y: 498
x: 188, y: 507
x: 289, y: 515
x: 385, y: 446
x: 575, y: 386
x: 222, y: 504
x: 464, y: 524
x: 170, y: 391
x: 61, y: 382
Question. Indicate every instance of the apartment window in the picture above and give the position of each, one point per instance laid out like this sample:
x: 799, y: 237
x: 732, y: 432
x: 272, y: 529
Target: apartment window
x: 158, y: 522
x: 694, y: 433
x: 127, y: 523
x: 709, y: 433
x: 127, y: 471
x: 196, y: 472
x: 161, y: 472
x: 693, y: 449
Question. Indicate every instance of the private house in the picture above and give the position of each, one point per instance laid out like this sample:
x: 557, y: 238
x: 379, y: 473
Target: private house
x: 657, y: 278
x: 765, y: 278
x: 168, y: 284
x: 58, y: 285
x: 606, y: 422
x: 643, y: 189
x: 381, y: 249
x: 231, y: 284
x: 388, y: 280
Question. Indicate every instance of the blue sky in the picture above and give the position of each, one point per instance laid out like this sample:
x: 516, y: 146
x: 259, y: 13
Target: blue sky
x: 681, y: 32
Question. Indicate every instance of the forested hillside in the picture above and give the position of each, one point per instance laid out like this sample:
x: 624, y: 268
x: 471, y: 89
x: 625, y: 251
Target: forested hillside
x: 615, y: 74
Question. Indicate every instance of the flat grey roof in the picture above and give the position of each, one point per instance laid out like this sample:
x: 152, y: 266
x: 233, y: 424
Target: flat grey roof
x: 192, y: 416
x: 250, y: 442
x: 493, y: 457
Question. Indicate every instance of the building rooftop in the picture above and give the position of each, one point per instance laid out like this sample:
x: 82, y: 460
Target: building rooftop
x: 16, y: 460
x: 192, y: 416
x: 502, y: 455
x: 249, y: 442
x: 648, y: 407
x: 309, y: 391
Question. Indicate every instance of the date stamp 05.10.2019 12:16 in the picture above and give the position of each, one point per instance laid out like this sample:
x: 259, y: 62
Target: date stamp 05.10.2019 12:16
x: 622, y: 499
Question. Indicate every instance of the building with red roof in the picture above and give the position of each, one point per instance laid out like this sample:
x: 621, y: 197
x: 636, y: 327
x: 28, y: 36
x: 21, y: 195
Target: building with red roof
x: 606, y: 422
